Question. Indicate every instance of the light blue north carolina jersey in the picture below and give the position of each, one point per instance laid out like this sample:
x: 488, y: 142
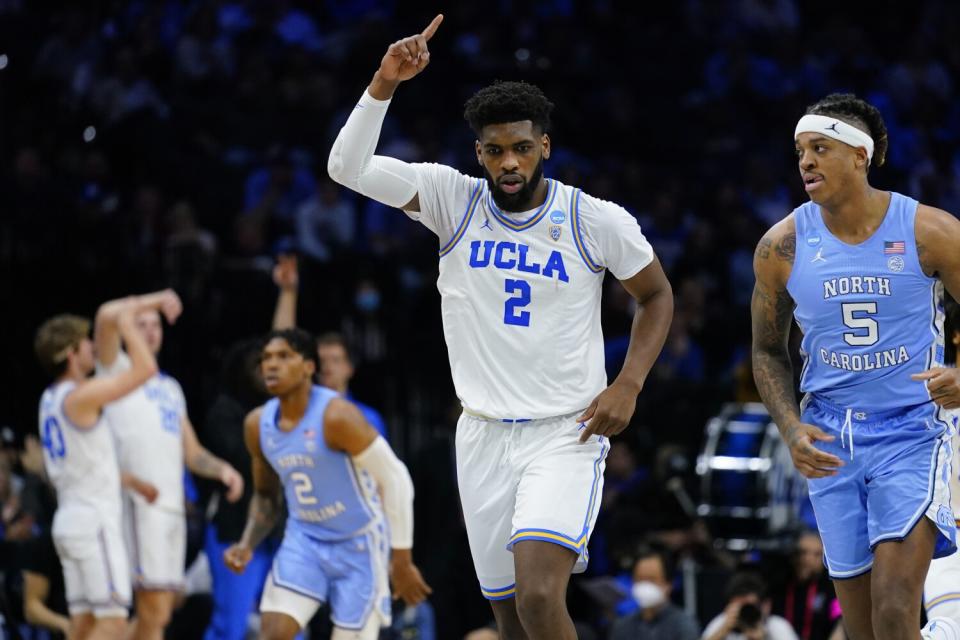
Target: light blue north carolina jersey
x: 324, y: 498
x: 870, y: 317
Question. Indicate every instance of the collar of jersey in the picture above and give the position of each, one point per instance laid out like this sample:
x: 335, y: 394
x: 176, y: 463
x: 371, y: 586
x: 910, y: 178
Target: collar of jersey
x: 532, y: 220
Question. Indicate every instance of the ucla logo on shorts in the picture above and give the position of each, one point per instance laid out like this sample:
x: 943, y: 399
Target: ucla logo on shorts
x: 895, y: 263
x: 557, y: 217
x: 555, y: 231
x: 813, y: 240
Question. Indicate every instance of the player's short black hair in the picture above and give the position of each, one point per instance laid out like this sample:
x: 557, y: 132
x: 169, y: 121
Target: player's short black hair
x: 299, y: 340
x: 858, y: 113
x: 508, y: 102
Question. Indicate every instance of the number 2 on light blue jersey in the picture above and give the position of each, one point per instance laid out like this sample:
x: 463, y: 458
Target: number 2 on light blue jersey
x: 521, y: 298
x: 51, y: 437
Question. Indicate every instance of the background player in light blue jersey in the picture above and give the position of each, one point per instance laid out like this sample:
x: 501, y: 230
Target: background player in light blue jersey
x: 311, y: 443
x: 862, y: 270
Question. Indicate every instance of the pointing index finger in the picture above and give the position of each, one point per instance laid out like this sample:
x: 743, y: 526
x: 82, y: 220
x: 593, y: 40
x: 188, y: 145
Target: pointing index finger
x: 926, y: 375
x: 432, y: 27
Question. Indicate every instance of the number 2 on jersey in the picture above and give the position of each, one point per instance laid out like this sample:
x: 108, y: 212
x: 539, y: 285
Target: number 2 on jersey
x: 52, y: 439
x: 303, y: 487
x: 521, y: 298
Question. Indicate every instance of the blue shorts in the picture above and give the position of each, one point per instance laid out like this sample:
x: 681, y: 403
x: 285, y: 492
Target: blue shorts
x: 896, y: 471
x: 350, y: 574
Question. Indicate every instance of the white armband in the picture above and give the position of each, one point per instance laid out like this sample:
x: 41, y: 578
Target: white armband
x: 394, y: 480
x: 352, y: 163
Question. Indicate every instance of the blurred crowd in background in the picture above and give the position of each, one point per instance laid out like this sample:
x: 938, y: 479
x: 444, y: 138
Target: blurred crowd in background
x: 183, y: 144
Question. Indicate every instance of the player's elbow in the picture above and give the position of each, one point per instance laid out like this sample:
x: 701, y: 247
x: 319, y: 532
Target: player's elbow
x: 335, y: 167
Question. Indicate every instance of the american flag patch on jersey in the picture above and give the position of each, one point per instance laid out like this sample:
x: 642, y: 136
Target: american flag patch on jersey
x: 897, y: 246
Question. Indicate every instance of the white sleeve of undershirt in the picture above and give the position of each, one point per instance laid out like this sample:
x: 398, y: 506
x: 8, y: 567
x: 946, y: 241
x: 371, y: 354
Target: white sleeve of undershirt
x: 352, y: 163
x: 392, y: 476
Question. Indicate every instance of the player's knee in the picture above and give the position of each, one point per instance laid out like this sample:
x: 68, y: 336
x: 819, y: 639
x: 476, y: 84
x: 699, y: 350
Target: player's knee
x: 537, y: 601
x: 109, y: 628
x: 153, y: 611
x: 893, y: 605
x: 277, y: 628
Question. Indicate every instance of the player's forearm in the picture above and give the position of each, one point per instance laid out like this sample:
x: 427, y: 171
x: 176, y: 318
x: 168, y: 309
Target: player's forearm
x: 37, y: 613
x: 143, y: 365
x: 285, y: 314
x: 648, y: 332
x: 773, y: 374
x: 382, y: 89
x: 261, y: 518
x: 204, y: 464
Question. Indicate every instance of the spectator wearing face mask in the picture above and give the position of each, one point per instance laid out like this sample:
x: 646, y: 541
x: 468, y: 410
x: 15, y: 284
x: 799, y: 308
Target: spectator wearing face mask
x: 657, y: 618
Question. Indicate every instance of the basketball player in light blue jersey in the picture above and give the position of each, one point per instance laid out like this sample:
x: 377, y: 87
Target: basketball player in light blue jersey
x: 862, y: 271
x: 313, y: 444
x: 522, y: 261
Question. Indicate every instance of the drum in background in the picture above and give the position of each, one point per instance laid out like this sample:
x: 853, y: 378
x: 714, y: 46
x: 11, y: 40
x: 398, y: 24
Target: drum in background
x: 750, y: 491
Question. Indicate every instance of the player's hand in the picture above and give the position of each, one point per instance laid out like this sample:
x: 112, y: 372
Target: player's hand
x: 145, y: 489
x: 170, y: 305
x: 407, y: 57
x: 810, y: 461
x: 943, y: 383
x: 610, y: 412
x: 233, y: 481
x: 141, y: 487
x: 237, y: 557
x: 286, y: 274
x: 407, y: 582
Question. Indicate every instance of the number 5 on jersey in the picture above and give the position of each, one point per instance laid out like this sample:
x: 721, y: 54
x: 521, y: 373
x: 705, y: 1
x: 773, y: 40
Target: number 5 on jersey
x: 852, y: 318
x: 520, y: 298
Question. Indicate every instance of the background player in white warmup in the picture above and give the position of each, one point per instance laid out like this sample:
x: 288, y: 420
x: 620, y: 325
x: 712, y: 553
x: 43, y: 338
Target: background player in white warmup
x: 81, y: 463
x: 522, y: 262
x: 154, y: 440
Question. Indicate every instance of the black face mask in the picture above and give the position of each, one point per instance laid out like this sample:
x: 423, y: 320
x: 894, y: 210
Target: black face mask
x: 519, y: 201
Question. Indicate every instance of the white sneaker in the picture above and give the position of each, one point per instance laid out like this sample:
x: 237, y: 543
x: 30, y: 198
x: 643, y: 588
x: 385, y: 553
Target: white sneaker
x: 941, y: 629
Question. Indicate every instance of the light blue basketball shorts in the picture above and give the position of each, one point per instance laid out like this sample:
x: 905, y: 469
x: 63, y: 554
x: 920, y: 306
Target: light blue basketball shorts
x: 896, y: 471
x: 350, y: 574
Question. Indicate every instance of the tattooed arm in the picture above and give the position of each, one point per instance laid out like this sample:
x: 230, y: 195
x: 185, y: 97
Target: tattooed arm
x: 771, y: 310
x: 265, y: 503
x: 206, y: 465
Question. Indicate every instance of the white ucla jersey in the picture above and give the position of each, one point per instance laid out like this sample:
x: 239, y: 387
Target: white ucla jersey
x: 81, y: 464
x: 146, y: 426
x: 521, y: 292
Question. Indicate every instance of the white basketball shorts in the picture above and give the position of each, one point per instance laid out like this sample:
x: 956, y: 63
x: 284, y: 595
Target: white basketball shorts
x: 96, y: 576
x: 157, y: 542
x: 526, y: 480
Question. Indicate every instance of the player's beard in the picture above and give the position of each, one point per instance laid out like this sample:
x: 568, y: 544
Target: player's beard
x: 519, y: 201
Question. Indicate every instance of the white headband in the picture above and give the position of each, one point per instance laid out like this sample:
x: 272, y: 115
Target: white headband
x: 836, y: 129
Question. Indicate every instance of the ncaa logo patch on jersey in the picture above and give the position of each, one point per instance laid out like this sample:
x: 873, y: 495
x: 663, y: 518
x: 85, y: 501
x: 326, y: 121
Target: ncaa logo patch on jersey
x: 813, y: 240
x: 895, y: 263
x: 557, y: 217
x: 555, y: 231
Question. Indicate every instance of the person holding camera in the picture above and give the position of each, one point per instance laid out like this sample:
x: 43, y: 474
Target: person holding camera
x: 747, y: 614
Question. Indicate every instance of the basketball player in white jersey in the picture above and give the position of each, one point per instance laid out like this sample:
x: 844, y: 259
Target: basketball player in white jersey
x: 81, y: 463
x: 154, y: 440
x: 522, y: 261
x: 941, y: 589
